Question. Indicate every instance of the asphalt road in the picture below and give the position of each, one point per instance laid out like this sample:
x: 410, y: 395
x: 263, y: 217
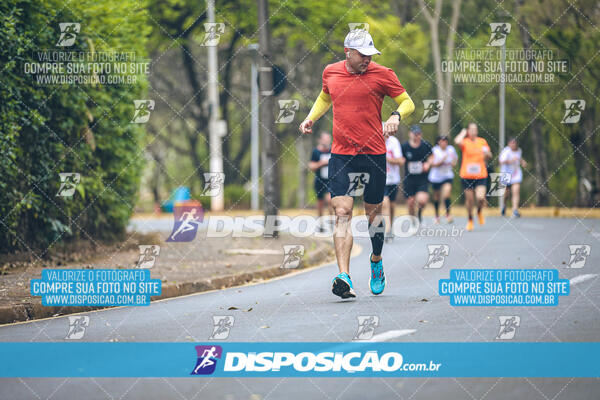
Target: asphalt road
x: 301, y: 308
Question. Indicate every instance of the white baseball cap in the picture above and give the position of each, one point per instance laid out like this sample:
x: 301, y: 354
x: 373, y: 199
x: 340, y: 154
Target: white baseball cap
x: 361, y: 41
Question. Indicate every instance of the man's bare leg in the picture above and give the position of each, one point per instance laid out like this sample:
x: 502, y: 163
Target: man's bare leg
x: 328, y: 202
x: 421, y: 199
x: 342, y: 234
x: 320, y: 205
x: 410, y: 203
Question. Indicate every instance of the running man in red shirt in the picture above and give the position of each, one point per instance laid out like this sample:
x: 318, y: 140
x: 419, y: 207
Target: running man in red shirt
x: 356, y: 88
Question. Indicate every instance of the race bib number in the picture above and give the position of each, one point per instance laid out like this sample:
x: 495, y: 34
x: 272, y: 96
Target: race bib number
x: 473, y: 168
x: 415, y: 167
x: 325, y: 170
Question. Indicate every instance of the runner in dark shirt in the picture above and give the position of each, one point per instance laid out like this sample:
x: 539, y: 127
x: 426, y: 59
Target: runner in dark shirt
x: 319, y: 165
x: 417, y: 156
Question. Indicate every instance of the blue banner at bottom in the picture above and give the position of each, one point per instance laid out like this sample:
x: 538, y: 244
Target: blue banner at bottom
x: 304, y: 359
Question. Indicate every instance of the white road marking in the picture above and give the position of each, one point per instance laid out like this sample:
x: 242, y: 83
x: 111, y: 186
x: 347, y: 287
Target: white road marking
x: 382, y: 337
x: 582, y: 278
x: 537, y: 227
x: 252, y: 252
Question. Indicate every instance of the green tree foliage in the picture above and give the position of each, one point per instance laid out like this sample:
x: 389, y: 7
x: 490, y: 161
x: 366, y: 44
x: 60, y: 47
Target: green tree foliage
x: 49, y: 129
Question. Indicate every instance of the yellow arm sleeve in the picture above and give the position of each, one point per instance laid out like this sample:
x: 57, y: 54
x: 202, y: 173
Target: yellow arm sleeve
x: 320, y: 107
x: 405, y: 105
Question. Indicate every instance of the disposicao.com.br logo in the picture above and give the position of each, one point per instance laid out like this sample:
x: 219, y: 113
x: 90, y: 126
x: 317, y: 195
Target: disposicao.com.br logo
x: 327, y: 362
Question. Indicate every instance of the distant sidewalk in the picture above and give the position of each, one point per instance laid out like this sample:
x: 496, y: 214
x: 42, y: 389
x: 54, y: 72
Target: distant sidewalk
x: 184, y: 268
x: 459, y: 211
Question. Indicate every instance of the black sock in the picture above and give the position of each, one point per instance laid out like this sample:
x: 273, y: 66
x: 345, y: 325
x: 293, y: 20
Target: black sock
x: 447, y: 203
x: 420, y: 212
x: 478, y: 209
x: 377, y: 234
x: 436, y: 205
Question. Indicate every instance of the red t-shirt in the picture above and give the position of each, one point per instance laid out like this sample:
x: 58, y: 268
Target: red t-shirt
x: 357, y: 100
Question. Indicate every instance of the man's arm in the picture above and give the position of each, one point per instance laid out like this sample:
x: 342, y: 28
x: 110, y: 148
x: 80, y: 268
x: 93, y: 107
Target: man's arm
x: 405, y: 105
x: 315, y: 162
x: 427, y: 164
x: 429, y: 161
x: 405, y: 108
x: 320, y: 107
x: 315, y: 165
x: 402, y: 158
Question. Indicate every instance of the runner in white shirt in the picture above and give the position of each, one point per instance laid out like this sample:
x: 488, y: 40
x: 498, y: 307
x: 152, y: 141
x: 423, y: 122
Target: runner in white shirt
x: 511, y: 161
x: 441, y: 175
x: 392, y: 180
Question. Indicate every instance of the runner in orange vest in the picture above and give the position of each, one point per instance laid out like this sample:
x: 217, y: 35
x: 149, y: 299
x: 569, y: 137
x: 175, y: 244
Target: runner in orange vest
x: 473, y: 172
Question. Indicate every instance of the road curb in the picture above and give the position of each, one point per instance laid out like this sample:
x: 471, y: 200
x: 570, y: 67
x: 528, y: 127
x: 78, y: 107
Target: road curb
x: 32, y: 311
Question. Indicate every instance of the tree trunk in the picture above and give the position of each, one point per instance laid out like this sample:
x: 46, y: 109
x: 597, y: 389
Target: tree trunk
x: 538, y: 140
x: 267, y: 119
x: 196, y: 162
x: 155, y: 153
x: 582, y: 198
x: 437, y: 58
x: 443, y: 81
x: 446, y: 116
x: 231, y: 169
x: 592, y: 127
x: 301, y: 151
x: 588, y: 127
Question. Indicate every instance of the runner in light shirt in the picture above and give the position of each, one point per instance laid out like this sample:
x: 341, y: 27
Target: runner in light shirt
x: 393, y: 162
x: 441, y: 175
x: 511, y: 161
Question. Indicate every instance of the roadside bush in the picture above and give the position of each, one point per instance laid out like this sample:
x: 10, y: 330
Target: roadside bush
x: 236, y: 197
x: 50, y: 129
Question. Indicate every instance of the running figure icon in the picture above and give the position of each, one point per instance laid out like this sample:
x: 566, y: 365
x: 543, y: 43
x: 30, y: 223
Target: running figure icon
x: 207, y: 359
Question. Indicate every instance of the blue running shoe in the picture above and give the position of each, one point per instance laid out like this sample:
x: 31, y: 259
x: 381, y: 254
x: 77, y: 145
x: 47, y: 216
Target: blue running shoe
x: 377, y: 281
x: 342, y: 286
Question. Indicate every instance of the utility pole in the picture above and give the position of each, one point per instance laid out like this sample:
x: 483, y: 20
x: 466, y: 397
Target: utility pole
x: 215, y: 125
x: 271, y: 148
x: 254, y: 143
x: 501, y: 138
